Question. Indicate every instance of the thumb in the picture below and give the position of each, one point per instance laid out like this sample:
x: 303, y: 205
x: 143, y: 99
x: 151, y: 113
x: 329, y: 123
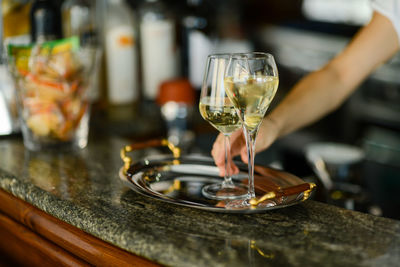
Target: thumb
x: 218, y: 151
x: 243, y: 155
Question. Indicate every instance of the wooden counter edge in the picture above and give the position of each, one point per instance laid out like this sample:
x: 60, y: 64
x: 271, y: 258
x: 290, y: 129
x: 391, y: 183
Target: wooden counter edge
x: 66, y: 236
x: 20, y: 246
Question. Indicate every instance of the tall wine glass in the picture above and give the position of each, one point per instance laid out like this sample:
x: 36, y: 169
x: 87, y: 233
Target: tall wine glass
x: 216, y: 108
x: 251, y: 81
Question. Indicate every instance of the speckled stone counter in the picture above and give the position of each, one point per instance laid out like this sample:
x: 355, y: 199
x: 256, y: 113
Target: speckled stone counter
x: 83, y: 189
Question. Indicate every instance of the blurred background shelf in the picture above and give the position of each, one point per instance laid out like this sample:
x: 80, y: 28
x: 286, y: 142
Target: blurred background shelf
x: 302, y: 34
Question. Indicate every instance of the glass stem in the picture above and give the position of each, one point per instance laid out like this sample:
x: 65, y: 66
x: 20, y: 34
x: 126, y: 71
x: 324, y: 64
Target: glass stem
x: 227, y: 177
x: 251, y: 143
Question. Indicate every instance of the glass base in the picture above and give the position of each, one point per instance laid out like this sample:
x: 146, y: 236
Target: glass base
x: 245, y: 204
x: 223, y: 192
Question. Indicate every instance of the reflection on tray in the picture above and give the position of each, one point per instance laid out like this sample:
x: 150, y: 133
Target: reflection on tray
x: 181, y: 181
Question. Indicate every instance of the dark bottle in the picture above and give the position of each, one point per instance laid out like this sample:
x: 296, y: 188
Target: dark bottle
x: 45, y: 19
x: 196, y: 40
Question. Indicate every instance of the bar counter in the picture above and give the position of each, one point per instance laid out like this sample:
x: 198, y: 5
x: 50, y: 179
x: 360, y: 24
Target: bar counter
x: 77, y: 204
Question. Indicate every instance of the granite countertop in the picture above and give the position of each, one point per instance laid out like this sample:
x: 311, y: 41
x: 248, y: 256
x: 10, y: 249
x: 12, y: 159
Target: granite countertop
x: 84, y: 190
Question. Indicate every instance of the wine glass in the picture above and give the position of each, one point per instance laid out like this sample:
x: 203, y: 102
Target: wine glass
x: 216, y: 108
x: 251, y: 81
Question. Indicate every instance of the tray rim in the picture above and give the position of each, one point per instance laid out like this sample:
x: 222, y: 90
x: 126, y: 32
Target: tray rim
x: 138, y: 189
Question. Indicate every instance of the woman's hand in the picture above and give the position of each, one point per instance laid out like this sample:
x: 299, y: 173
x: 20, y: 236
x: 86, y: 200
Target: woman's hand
x: 237, y: 143
x: 267, y: 134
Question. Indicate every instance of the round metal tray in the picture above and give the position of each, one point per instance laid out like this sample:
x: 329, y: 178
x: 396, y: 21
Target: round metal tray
x: 179, y: 180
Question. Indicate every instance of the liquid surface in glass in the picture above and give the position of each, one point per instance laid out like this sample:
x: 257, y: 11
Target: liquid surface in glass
x: 251, y: 95
x: 220, y: 113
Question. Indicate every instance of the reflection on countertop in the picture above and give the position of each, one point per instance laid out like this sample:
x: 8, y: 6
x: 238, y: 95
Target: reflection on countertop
x: 84, y: 190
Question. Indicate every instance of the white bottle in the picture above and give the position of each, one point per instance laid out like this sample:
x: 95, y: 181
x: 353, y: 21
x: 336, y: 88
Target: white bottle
x: 79, y: 19
x: 121, y: 54
x: 157, y: 39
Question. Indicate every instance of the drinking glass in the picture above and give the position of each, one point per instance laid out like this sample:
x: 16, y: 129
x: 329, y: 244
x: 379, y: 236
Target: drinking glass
x: 251, y: 81
x: 53, y: 100
x: 216, y: 108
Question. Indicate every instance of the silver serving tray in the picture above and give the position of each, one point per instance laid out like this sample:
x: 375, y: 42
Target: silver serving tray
x: 180, y: 181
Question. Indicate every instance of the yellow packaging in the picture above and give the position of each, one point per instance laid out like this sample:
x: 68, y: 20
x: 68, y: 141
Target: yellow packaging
x: 21, y: 53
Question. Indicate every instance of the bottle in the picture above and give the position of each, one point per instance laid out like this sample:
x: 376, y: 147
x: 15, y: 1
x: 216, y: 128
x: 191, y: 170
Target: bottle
x: 196, y: 40
x: 78, y: 19
x: 14, y: 29
x: 45, y: 20
x: 15, y: 22
x: 176, y: 100
x: 121, y: 54
x: 157, y: 43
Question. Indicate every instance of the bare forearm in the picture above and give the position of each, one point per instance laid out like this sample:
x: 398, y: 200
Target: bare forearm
x: 324, y: 90
x: 312, y: 98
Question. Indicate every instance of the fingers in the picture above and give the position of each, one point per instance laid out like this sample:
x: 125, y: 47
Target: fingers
x: 237, y: 142
x: 218, y: 153
x: 233, y: 169
x: 218, y: 150
x: 269, y: 131
x: 243, y: 155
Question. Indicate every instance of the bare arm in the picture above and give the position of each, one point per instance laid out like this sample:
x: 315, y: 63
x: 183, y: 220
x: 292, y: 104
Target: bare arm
x: 324, y: 90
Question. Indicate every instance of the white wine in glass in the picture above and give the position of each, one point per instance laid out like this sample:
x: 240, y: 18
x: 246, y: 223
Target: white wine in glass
x: 216, y: 108
x: 251, y: 81
x: 222, y: 116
